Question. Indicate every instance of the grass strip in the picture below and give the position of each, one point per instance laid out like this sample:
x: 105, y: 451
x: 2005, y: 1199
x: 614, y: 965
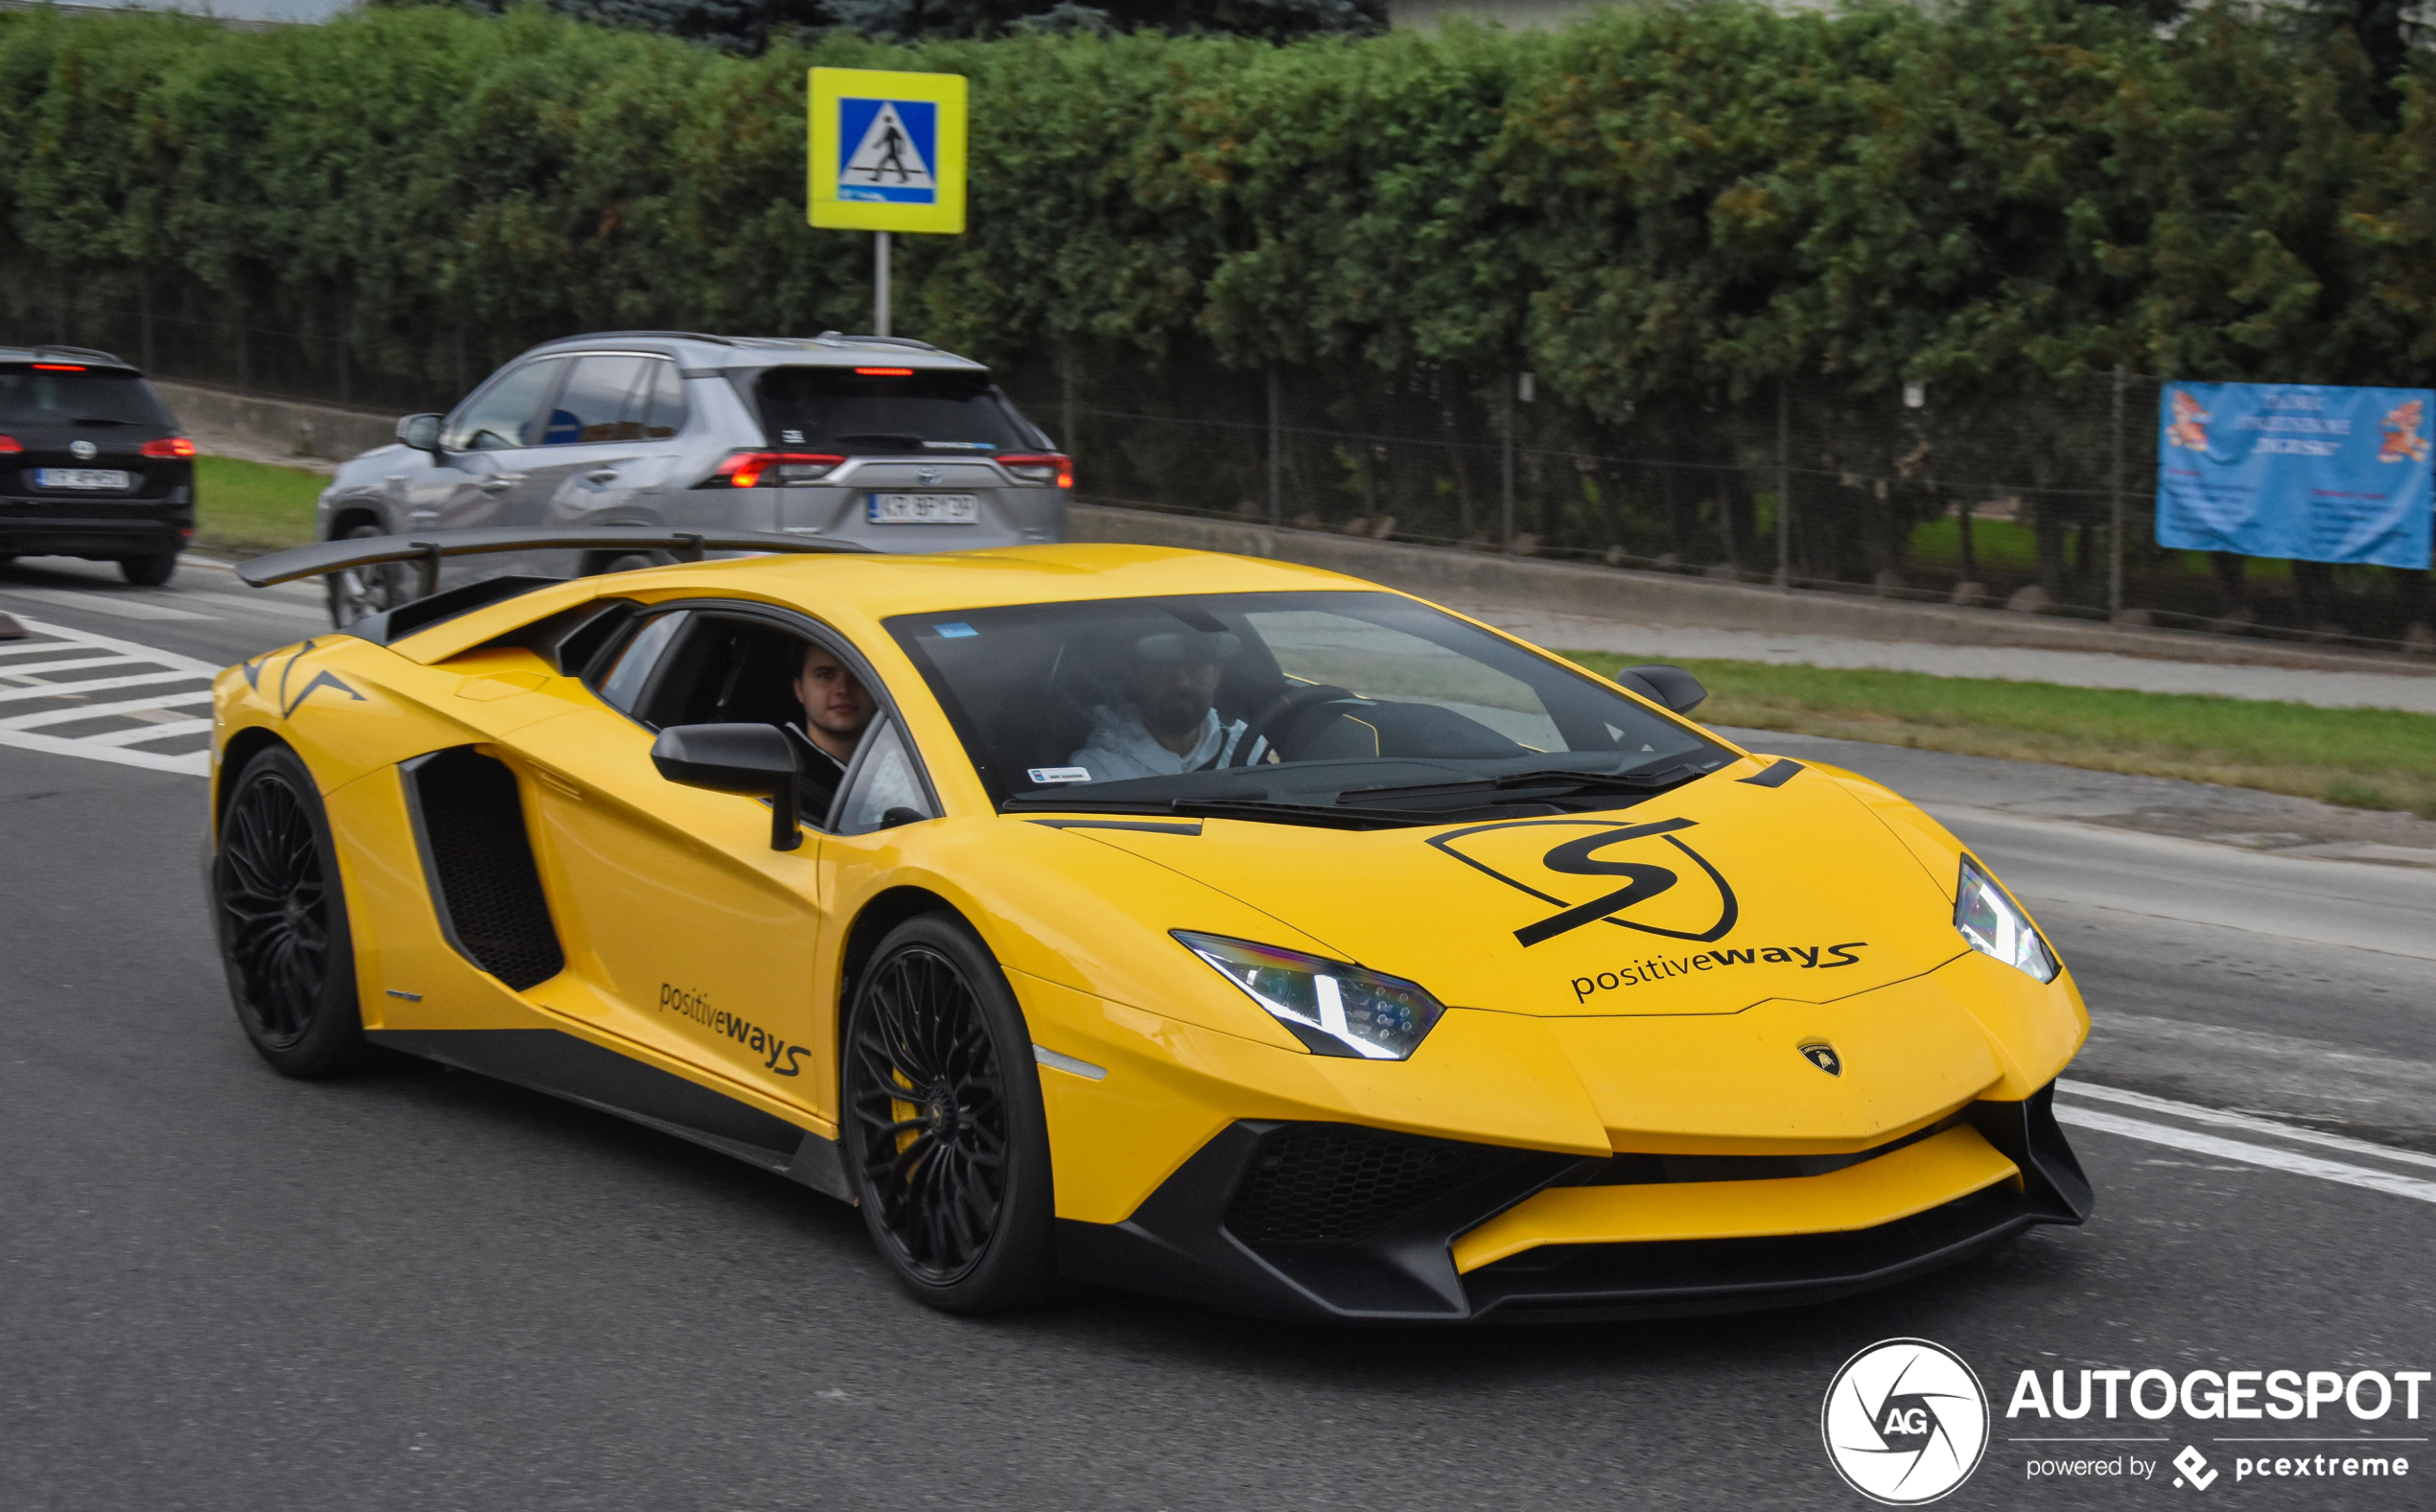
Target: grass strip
x: 253, y: 507
x: 2374, y: 758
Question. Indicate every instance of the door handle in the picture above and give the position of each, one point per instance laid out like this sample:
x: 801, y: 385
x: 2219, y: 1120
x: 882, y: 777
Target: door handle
x: 604, y: 475
x: 496, y: 485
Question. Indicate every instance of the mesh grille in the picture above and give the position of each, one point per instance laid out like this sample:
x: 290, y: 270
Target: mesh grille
x: 1335, y: 1183
x: 483, y: 862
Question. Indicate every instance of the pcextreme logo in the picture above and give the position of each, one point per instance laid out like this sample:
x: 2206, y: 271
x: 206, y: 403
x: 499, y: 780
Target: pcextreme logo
x: 1905, y: 1421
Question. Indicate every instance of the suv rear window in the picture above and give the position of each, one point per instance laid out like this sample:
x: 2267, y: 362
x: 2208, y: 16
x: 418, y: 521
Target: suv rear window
x: 65, y: 394
x: 889, y: 410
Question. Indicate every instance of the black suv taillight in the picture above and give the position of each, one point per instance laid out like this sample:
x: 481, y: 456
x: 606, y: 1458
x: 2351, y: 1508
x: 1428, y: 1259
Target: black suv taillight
x: 771, y: 469
x: 1048, y: 467
x: 172, y: 446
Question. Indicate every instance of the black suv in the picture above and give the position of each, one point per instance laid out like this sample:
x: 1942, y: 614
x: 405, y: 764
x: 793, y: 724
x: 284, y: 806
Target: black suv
x: 91, y: 464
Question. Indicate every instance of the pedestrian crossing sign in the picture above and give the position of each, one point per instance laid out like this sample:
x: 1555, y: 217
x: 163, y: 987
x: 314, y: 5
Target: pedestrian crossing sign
x: 887, y: 151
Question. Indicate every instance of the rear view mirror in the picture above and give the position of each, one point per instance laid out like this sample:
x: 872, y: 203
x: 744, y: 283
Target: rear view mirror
x: 421, y: 432
x: 754, y: 759
x: 1669, y: 686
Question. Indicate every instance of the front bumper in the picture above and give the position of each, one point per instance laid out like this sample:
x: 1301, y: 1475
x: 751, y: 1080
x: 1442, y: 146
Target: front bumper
x: 1341, y: 1222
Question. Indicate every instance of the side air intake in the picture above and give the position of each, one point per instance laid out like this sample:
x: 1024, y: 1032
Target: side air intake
x: 469, y: 821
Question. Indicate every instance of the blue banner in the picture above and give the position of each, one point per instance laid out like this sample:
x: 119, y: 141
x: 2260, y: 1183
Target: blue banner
x: 2296, y: 470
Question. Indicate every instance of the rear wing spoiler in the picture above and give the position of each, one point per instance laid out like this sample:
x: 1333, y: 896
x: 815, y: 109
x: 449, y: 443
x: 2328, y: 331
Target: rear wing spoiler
x: 429, y: 549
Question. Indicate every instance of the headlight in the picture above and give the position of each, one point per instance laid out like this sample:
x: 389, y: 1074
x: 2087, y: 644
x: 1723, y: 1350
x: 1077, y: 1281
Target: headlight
x: 1995, y: 927
x: 1336, y: 1009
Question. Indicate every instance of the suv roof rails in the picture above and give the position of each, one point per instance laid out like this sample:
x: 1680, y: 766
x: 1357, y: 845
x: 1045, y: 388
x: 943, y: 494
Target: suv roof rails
x: 88, y: 353
x: 664, y: 335
x: 877, y: 341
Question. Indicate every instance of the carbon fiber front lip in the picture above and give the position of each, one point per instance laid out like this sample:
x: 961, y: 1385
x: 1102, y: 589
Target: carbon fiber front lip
x: 1177, y: 1245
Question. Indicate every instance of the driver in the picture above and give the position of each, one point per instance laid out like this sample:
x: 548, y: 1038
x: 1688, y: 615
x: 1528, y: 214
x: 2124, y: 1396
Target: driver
x: 1167, y: 721
x: 838, y: 709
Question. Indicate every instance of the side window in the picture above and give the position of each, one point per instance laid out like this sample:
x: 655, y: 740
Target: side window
x: 630, y: 672
x: 593, y: 406
x: 506, y: 414
x: 659, y: 402
x: 885, y: 787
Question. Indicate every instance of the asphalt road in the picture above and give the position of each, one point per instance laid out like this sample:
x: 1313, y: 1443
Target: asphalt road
x: 422, y: 1290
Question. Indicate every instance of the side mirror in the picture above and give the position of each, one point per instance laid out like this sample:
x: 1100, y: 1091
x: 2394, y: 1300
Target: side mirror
x: 1669, y: 686
x: 421, y: 432
x: 754, y: 759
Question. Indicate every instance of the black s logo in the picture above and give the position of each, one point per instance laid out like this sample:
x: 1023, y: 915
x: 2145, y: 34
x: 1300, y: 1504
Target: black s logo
x: 1580, y: 857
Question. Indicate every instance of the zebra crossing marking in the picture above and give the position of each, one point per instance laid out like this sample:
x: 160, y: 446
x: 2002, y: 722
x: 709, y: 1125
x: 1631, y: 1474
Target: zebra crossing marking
x: 134, y: 723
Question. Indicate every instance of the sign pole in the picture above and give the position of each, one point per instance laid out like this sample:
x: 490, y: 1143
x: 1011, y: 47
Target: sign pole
x: 2115, y: 528
x: 885, y: 152
x: 880, y: 271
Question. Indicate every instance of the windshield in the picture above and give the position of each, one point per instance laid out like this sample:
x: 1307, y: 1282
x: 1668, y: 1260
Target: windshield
x: 885, y: 411
x: 1356, y: 708
x: 63, y: 394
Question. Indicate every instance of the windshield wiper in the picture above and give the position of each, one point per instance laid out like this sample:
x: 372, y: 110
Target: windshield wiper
x: 1558, y: 780
x: 1312, y: 814
x: 1323, y: 816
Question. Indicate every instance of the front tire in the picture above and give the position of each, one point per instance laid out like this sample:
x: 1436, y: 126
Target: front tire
x: 147, y: 571
x: 283, y: 922
x: 945, y: 1133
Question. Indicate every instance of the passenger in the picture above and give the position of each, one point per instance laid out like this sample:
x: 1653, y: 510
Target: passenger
x: 1168, y: 721
x: 838, y: 709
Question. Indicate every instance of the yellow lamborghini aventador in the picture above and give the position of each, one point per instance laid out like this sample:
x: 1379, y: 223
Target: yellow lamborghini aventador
x: 1184, y: 923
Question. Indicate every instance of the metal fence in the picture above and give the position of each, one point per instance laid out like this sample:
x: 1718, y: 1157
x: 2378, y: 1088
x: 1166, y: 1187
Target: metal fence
x: 2038, y: 499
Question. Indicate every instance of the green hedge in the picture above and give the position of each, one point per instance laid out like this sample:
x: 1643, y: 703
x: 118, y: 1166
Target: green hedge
x: 1662, y: 200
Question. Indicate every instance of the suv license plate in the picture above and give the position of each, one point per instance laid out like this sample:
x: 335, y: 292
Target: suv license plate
x: 925, y: 510
x: 80, y: 478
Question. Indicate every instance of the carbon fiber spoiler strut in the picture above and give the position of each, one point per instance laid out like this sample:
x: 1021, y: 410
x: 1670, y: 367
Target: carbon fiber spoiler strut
x: 428, y: 547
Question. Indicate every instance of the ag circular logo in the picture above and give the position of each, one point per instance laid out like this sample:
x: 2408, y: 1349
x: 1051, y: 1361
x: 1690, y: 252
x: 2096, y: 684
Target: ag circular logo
x: 1904, y: 1421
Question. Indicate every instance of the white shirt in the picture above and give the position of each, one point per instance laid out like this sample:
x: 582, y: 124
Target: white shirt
x: 1119, y: 746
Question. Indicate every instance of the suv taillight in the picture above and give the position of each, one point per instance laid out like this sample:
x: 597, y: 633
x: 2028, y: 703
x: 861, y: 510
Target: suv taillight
x: 775, y: 469
x: 1050, y: 467
x: 174, y: 445
x: 9, y: 443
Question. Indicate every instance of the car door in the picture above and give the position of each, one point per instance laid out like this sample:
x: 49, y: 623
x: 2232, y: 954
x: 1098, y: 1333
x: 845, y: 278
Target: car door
x: 486, y: 446
x: 608, y: 449
x: 692, y: 934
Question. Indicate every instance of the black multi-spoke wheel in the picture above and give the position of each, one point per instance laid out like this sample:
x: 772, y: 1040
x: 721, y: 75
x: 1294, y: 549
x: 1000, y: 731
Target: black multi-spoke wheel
x: 944, y: 1123
x: 283, y: 923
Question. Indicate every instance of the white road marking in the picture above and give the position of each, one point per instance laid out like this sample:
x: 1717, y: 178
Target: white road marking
x: 143, y: 733
x: 29, y: 648
x: 92, y: 685
x: 2245, y: 1122
x: 135, y: 707
x: 105, y: 602
x: 30, y: 671
x: 193, y: 763
x: 2199, y: 1143
x: 101, y: 642
x: 128, y: 725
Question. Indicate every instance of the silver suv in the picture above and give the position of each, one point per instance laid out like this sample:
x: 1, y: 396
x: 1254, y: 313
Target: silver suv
x: 880, y: 440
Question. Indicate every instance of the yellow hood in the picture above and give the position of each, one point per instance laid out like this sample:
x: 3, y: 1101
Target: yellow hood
x: 1708, y: 900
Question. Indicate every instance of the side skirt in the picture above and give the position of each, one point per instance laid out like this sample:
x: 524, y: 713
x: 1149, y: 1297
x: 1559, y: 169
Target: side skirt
x: 584, y: 1072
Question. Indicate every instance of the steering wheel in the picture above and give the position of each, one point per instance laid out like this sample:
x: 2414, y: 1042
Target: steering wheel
x: 1280, y: 711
